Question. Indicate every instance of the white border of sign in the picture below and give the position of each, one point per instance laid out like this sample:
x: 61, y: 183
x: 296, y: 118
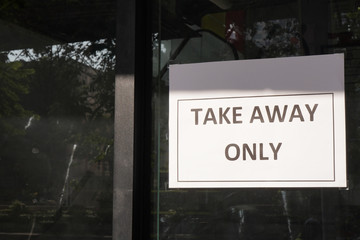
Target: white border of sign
x: 213, y: 148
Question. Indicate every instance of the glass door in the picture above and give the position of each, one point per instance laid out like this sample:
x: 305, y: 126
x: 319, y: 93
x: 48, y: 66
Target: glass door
x: 224, y: 30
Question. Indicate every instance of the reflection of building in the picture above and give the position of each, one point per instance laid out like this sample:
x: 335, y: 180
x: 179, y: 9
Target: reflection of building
x: 17, y: 37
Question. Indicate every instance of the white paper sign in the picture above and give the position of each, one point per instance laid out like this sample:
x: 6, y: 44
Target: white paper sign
x: 258, y: 123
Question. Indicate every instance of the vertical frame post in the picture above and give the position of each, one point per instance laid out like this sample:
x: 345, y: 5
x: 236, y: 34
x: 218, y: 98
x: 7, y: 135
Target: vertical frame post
x: 132, y: 139
x: 124, y: 121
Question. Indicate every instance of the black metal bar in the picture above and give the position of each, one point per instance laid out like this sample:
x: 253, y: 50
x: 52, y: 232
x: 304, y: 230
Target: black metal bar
x: 186, y: 40
x: 143, y: 121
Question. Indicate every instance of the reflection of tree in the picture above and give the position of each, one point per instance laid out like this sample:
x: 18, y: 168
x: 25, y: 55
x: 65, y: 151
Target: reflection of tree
x: 68, y: 89
x: 351, y: 22
x: 277, y: 38
x: 13, y: 85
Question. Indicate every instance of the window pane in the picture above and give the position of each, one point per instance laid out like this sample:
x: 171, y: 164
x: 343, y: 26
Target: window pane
x: 202, y: 31
x: 56, y: 119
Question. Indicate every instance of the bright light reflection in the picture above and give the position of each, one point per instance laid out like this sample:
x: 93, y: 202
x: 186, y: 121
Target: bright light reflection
x: 29, y: 122
x: 78, y: 53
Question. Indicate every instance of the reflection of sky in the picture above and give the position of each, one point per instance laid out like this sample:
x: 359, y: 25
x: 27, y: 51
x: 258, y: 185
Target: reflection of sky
x: 77, y: 54
x: 163, y: 48
x: 260, y: 35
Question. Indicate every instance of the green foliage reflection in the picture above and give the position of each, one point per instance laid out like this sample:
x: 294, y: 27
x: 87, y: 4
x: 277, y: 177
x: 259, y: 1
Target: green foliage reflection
x: 52, y: 99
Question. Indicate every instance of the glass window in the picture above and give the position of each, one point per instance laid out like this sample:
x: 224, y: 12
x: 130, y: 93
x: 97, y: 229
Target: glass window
x: 222, y: 30
x: 56, y: 119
